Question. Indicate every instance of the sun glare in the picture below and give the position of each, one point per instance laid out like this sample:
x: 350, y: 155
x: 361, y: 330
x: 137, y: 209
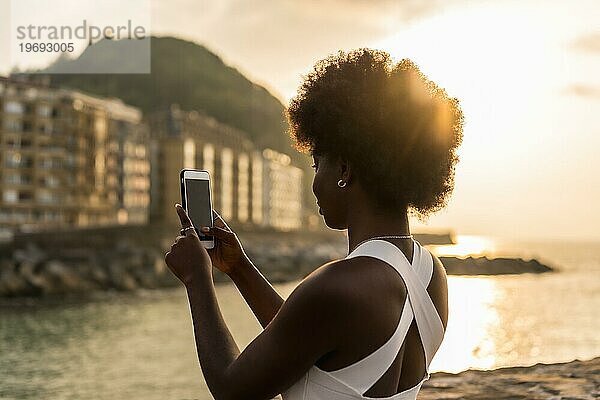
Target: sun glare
x: 466, y: 245
x: 471, y: 316
x: 492, y: 59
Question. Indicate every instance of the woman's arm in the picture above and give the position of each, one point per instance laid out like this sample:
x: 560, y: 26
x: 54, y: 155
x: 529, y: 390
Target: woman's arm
x: 262, y: 298
x: 229, y: 257
x: 307, y: 326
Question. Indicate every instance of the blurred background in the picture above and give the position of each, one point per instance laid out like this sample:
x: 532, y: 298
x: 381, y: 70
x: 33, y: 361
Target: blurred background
x: 90, y: 162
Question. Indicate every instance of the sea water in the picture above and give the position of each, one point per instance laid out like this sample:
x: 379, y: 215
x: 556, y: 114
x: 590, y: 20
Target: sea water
x: 141, y: 345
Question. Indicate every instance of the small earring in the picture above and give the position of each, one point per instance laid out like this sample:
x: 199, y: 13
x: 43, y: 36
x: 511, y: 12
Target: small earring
x: 341, y: 183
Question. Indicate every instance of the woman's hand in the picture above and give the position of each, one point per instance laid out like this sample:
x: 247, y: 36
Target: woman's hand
x: 188, y: 259
x: 228, y: 254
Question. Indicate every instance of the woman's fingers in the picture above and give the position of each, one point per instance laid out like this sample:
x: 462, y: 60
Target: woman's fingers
x: 218, y: 221
x: 219, y: 233
x: 186, y: 223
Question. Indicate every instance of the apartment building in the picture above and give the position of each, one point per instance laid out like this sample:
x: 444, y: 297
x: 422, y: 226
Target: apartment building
x: 251, y: 187
x: 70, y: 159
x: 282, y: 191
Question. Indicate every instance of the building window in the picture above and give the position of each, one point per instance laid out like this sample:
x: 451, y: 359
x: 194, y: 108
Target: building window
x: 17, y: 179
x: 227, y: 183
x: 46, y: 128
x: 10, y: 196
x: 100, y: 127
x: 189, y: 153
x: 20, y: 216
x: 284, y: 211
x: 122, y: 216
x: 44, y: 110
x: 12, y: 178
x: 13, y: 160
x: 140, y: 151
x: 46, y: 197
x: 257, y: 193
x: 51, y: 181
x: 17, y: 143
x: 25, y: 196
x: 31, y: 93
x: 12, y: 125
x: 13, y: 142
x: 13, y: 107
x: 208, y: 153
x: 46, y: 163
x: 243, y: 164
x: 113, y: 146
x: 52, y: 216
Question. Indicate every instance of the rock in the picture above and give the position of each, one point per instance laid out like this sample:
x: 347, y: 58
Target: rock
x: 119, y: 277
x: 7, y: 264
x: 11, y: 282
x: 540, y: 381
x: 495, y: 266
x: 64, y: 279
x: 144, y: 273
x: 435, y: 238
x: 31, y: 253
x: 99, y: 276
x: 38, y: 282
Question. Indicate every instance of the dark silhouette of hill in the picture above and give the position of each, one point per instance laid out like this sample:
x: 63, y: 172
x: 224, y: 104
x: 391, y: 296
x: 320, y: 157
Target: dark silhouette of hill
x: 184, y: 73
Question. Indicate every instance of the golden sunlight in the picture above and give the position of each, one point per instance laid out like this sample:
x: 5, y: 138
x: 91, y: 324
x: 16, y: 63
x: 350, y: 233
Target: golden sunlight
x: 471, y: 316
x: 492, y: 70
x: 466, y: 245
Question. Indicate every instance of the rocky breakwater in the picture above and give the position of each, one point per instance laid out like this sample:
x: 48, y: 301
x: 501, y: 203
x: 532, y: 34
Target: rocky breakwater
x: 492, y: 266
x: 290, y: 256
x: 33, y: 272
x: 36, y: 270
x: 126, y: 259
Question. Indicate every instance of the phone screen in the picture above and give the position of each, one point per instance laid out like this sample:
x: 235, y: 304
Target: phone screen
x: 197, y: 195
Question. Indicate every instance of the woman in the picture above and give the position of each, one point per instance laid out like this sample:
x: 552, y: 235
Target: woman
x: 383, y: 141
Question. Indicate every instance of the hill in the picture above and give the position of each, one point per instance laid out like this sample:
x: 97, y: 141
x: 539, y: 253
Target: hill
x: 185, y: 73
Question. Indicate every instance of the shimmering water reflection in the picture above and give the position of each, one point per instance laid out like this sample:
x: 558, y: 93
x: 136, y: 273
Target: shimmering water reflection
x: 471, y: 318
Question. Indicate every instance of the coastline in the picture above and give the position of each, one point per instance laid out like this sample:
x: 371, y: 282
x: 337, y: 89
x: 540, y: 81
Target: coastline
x: 578, y: 379
x: 42, y: 264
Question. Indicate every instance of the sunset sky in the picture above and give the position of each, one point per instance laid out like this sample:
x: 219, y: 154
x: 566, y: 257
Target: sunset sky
x: 526, y: 73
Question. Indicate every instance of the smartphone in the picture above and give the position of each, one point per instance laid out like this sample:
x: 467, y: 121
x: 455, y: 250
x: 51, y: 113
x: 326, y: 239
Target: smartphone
x: 197, y: 201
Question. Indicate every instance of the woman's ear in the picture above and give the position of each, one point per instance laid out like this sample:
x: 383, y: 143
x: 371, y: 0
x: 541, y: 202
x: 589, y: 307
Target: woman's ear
x: 345, y: 170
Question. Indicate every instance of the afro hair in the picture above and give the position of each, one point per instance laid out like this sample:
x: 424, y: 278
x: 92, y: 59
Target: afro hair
x: 397, y: 129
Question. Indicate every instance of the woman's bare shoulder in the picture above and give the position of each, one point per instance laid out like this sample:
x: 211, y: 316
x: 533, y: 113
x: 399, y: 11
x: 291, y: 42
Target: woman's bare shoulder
x: 339, y: 278
x: 351, y: 282
x: 329, y: 273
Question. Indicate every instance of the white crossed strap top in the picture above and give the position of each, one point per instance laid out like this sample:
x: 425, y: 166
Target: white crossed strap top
x: 352, y: 381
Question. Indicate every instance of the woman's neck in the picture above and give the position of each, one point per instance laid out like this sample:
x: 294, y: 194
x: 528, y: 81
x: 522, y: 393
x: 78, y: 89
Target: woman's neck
x: 368, y: 222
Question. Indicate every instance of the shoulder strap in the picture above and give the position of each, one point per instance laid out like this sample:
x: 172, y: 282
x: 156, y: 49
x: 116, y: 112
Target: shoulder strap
x: 422, y: 264
x: 429, y: 323
x: 364, y: 373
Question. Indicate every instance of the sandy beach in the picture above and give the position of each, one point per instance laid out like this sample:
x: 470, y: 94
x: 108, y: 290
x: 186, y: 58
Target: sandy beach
x: 561, y: 381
